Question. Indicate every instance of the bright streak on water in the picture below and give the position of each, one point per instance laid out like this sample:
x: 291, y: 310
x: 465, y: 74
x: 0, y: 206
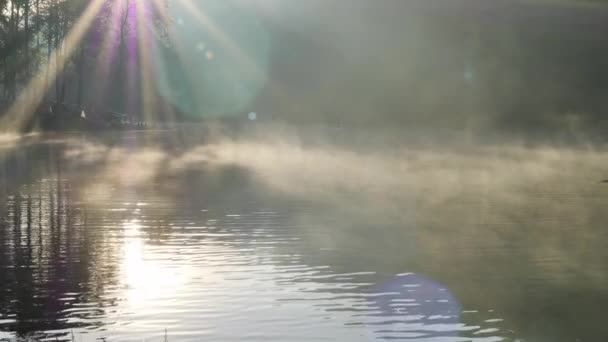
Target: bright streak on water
x: 294, y: 244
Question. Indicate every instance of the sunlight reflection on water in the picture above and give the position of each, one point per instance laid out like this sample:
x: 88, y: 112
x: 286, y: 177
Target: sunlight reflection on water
x: 270, y: 242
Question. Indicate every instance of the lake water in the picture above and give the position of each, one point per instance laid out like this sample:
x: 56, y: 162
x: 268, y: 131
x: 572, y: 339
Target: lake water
x: 138, y: 235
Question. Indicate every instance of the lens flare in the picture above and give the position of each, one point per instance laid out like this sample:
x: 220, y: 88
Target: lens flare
x: 219, y: 60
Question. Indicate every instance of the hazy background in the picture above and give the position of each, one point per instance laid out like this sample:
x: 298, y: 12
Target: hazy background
x: 533, y: 68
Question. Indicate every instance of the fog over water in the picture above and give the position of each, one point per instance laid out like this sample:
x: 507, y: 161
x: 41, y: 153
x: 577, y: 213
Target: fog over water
x: 124, y: 235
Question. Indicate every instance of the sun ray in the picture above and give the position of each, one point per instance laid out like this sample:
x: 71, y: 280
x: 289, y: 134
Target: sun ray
x: 179, y: 49
x: 160, y: 72
x: 143, y: 44
x: 31, y: 96
x: 131, y: 64
x: 157, y: 63
x: 108, y: 51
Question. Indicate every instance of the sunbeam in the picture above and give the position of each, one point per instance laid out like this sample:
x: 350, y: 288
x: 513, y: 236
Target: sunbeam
x: 116, y: 23
x: 145, y: 46
x: 32, y: 94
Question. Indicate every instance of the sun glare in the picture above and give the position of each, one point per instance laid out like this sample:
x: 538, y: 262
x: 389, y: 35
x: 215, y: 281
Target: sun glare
x: 145, y: 279
x: 160, y: 73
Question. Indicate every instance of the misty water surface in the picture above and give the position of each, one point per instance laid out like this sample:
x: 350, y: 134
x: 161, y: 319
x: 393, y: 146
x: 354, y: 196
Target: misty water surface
x: 294, y: 239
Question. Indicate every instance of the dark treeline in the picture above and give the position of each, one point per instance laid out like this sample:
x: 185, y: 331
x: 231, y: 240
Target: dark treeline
x: 519, y: 67
x: 32, y: 35
x: 90, y: 72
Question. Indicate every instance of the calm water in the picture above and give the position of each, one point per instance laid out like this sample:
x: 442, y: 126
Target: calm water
x: 125, y: 237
